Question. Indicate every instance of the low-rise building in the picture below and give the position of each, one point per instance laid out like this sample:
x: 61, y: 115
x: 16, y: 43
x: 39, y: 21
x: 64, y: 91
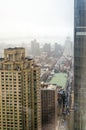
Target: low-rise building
x: 49, y: 107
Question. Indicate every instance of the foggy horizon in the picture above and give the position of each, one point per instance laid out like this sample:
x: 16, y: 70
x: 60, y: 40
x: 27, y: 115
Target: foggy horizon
x: 28, y: 39
x: 46, y: 21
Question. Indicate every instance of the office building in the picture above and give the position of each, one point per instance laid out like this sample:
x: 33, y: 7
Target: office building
x: 58, y: 50
x: 68, y: 48
x: 49, y: 107
x: 47, y: 48
x: 20, y: 103
x: 35, y: 48
x: 80, y: 65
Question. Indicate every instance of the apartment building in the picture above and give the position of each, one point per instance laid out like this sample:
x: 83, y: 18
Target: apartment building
x: 20, y: 99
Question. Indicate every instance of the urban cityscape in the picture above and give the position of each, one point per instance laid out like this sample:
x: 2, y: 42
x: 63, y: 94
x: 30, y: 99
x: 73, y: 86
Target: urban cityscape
x: 36, y: 90
x: 42, y: 82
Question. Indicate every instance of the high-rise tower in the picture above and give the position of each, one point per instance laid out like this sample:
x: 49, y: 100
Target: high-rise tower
x: 80, y: 65
x: 35, y: 48
x: 20, y: 105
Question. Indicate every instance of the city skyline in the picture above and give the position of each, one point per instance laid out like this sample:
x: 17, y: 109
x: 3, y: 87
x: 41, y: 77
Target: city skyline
x: 36, y: 19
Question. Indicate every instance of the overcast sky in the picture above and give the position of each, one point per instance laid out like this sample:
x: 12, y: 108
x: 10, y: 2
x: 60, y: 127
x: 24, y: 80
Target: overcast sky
x: 37, y: 18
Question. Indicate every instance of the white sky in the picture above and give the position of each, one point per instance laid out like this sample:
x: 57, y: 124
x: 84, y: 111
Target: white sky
x: 39, y: 18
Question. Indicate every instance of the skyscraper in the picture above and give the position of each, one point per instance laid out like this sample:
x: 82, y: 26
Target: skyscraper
x: 20, y: 107
x: 47, y: 48
x: 80, y: 65
x: 68, y: 48
x: 35, y: 48
x: 58, y: 50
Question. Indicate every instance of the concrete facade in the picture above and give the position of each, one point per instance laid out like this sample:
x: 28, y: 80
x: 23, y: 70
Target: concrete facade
x: 20, y: 99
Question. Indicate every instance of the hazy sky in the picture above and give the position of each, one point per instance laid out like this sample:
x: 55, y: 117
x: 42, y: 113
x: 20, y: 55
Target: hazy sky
x: 37, y: 18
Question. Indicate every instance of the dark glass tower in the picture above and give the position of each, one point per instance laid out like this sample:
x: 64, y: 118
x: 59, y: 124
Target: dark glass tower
x: 80, y: 65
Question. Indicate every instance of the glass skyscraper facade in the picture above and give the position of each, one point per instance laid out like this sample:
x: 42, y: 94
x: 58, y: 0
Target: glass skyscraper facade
x: 80, y: 65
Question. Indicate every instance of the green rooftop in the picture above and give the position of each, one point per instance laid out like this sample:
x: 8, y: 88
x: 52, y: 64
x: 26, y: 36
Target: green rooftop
x: 60, y: 79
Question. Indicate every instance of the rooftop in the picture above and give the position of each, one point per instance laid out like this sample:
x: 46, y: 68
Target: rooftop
x: 60, y: 79
x: 46, y: 86
x: 15, y: 48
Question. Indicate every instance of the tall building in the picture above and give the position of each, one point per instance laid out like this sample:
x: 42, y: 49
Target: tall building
x: 80, y: 65
x: 58, y: 50
x: 49, y: 108
x: 20, y: 103
x: 47, y: 48
x: 68, y: 48
x: 35, y: 48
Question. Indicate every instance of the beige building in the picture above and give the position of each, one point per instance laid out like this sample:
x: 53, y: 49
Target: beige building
x: 20, y: 99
